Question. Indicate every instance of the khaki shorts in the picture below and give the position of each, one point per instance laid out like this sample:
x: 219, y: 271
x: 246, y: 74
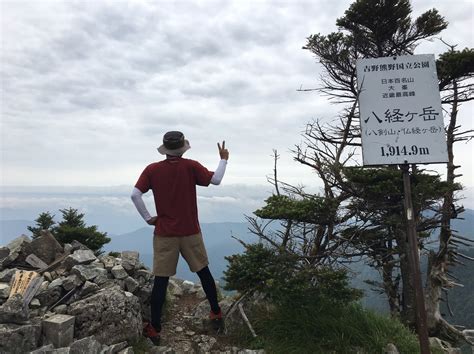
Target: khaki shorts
x: 166, y: 250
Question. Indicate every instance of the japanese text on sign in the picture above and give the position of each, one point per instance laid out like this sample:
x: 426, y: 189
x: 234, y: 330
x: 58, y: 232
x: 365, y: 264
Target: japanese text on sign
x: 400, y: 111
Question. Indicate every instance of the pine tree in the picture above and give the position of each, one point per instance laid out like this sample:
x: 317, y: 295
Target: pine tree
x: 45, y: 221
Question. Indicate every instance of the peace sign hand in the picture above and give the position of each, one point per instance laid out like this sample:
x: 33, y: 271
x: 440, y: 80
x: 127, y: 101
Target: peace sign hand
x: 223, y: 152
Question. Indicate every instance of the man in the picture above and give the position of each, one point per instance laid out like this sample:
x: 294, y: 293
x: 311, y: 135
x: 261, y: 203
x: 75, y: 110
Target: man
x: 173, y: 183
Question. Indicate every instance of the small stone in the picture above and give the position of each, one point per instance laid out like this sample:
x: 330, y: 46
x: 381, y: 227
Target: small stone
x: 68, y: 248
x: 87, y: 272
x: 115, y: 348
x: 187, y: 286
x: 79, y: 257
x: 55, y: 283
x: 206, y: 343
x: 162, y: 349
x: 200, y: 294
x: 190, y: 333
x: 86, y: 345
x: 131, y: 284
x: 119, y: 272
x: 109, y: 262
x: 98, y: 263
x: 71, y: 282
x: 89, y: 288
x: 35, y: 303
x: 101, y: 278
x: 4, y: 290
x: 60, y: 309
x: 178, y: 329
x: 128, y: 350
x: 130, y: 260
x: 48, y: 276
x: 391, y: 349
x: 43, y: 350
x: 174, y: 288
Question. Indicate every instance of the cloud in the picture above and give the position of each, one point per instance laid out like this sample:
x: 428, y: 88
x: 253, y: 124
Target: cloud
x: 89, y: 87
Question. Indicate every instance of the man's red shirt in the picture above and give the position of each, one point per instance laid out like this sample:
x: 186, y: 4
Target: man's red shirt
x: 173, y: 182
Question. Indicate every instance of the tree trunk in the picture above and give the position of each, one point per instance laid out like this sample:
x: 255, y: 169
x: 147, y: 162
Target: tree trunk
x: 391, y: 288
x: 438, y: 262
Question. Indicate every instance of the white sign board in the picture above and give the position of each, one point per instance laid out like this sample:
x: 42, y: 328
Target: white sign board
x: 400, y: 111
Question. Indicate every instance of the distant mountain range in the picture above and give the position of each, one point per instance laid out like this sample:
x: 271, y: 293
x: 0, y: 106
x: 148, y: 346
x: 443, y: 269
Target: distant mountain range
x: 219, y: 244
x: 217, y: 238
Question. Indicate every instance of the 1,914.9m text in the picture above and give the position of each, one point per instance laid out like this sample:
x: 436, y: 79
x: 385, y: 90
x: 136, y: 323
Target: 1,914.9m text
x: 391, y: 150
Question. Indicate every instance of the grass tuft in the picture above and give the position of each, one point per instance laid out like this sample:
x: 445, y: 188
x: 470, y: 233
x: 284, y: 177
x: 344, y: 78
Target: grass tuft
x: 326, y: 328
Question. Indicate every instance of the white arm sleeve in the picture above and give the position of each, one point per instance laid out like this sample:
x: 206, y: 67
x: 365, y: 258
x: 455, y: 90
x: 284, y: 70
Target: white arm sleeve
x: 140, y: 204
x: 219, y: 172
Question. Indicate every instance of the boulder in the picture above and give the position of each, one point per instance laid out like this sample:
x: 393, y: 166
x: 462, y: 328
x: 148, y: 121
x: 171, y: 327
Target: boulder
x: 14, y: 310
x: 79, y: 257
x: 19, y: 338
x: 4, y: 252
x: 46, y: 247
x: 88, y: 272
x: 112, y: 315
x: 50, y: 295
x: 7, y: 274
x: 130, y: 261
x: 86, y: 345
x: 46, y: 349
x: 76, y: 245
x: 17, y: 250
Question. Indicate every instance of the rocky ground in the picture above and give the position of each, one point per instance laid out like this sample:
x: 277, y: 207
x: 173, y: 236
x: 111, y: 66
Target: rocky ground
x: 79, y: 303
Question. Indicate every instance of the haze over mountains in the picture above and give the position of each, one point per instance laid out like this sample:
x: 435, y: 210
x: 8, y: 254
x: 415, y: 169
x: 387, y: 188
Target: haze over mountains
x: 219, y: 243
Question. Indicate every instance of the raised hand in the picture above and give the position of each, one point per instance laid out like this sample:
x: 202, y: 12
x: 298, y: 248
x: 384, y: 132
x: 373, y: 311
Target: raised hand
x: 223, y: 152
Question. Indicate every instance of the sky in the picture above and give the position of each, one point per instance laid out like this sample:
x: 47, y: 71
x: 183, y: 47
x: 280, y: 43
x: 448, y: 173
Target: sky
x: 90, y: 87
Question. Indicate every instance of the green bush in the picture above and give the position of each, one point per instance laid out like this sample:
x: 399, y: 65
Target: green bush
x: 284, y: 278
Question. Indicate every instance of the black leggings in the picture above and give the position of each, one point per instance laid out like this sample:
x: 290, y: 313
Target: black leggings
x: 158, y: 295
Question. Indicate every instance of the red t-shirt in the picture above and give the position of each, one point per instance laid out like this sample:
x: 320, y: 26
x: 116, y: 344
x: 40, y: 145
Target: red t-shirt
x: 173, y: 182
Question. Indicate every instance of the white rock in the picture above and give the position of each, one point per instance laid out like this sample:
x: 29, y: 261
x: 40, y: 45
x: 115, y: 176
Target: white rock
x: 119, y: 272
x: 187, y: 286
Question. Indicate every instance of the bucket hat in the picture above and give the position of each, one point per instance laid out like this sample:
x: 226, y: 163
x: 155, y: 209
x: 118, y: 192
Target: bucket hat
x: 174, y: 144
